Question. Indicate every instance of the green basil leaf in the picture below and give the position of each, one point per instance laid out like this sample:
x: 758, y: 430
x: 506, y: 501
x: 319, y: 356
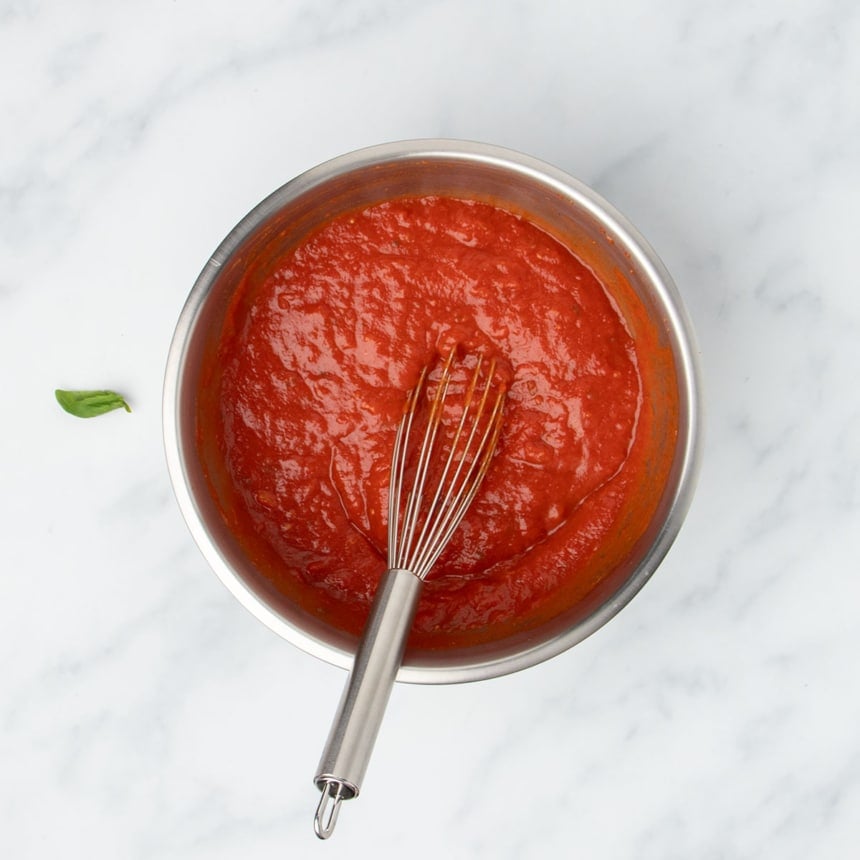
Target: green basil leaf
x: 88, y: 404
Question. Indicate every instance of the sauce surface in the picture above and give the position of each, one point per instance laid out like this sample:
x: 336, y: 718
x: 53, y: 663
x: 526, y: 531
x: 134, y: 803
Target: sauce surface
x: 319, y: 348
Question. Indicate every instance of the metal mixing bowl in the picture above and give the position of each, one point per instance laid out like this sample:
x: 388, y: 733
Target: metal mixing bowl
x: 564, y: 207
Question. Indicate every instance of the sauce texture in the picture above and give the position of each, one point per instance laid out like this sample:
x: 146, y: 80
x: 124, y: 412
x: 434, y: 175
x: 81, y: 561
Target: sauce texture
x: 317, y: 352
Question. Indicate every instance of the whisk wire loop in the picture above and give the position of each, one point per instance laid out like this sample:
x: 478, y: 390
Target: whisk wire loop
x: 398, y: 462
x: 454, y: 492
x: 439, y: 505
x: 448, y: 524
x: 419, y: 530
x: 428, y: 445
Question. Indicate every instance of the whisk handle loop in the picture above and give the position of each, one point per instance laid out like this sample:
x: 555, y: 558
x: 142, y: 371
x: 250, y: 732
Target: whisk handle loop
x: 362, y: 705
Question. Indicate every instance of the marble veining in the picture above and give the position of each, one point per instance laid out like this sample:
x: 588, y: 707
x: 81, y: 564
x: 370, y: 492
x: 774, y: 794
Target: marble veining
x: 144, y: 713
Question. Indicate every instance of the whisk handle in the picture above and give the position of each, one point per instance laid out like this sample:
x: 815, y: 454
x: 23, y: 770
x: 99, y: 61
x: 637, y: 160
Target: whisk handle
x: 362, y: 705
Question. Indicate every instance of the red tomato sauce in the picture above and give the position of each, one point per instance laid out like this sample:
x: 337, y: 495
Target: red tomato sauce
x: 322, y: 343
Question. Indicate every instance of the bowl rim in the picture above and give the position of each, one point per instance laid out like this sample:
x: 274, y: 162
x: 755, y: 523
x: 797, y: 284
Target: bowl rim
x: 610, y: 220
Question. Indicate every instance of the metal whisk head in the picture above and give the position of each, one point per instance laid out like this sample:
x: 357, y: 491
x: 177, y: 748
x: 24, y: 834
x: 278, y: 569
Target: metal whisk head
x: 422, y: 518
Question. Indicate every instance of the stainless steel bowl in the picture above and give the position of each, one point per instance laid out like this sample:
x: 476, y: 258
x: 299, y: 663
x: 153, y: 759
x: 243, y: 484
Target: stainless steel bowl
x: 563, y: 206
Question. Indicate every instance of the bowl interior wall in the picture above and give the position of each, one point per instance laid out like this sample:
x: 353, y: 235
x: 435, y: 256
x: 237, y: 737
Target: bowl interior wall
x: 295, y: 210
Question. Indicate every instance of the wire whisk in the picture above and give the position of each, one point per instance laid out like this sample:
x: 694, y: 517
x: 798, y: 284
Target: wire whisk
x: 431, y: 488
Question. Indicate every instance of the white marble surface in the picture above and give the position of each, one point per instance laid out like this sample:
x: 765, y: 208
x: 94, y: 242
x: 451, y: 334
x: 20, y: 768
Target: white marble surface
x: 143, y: 713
